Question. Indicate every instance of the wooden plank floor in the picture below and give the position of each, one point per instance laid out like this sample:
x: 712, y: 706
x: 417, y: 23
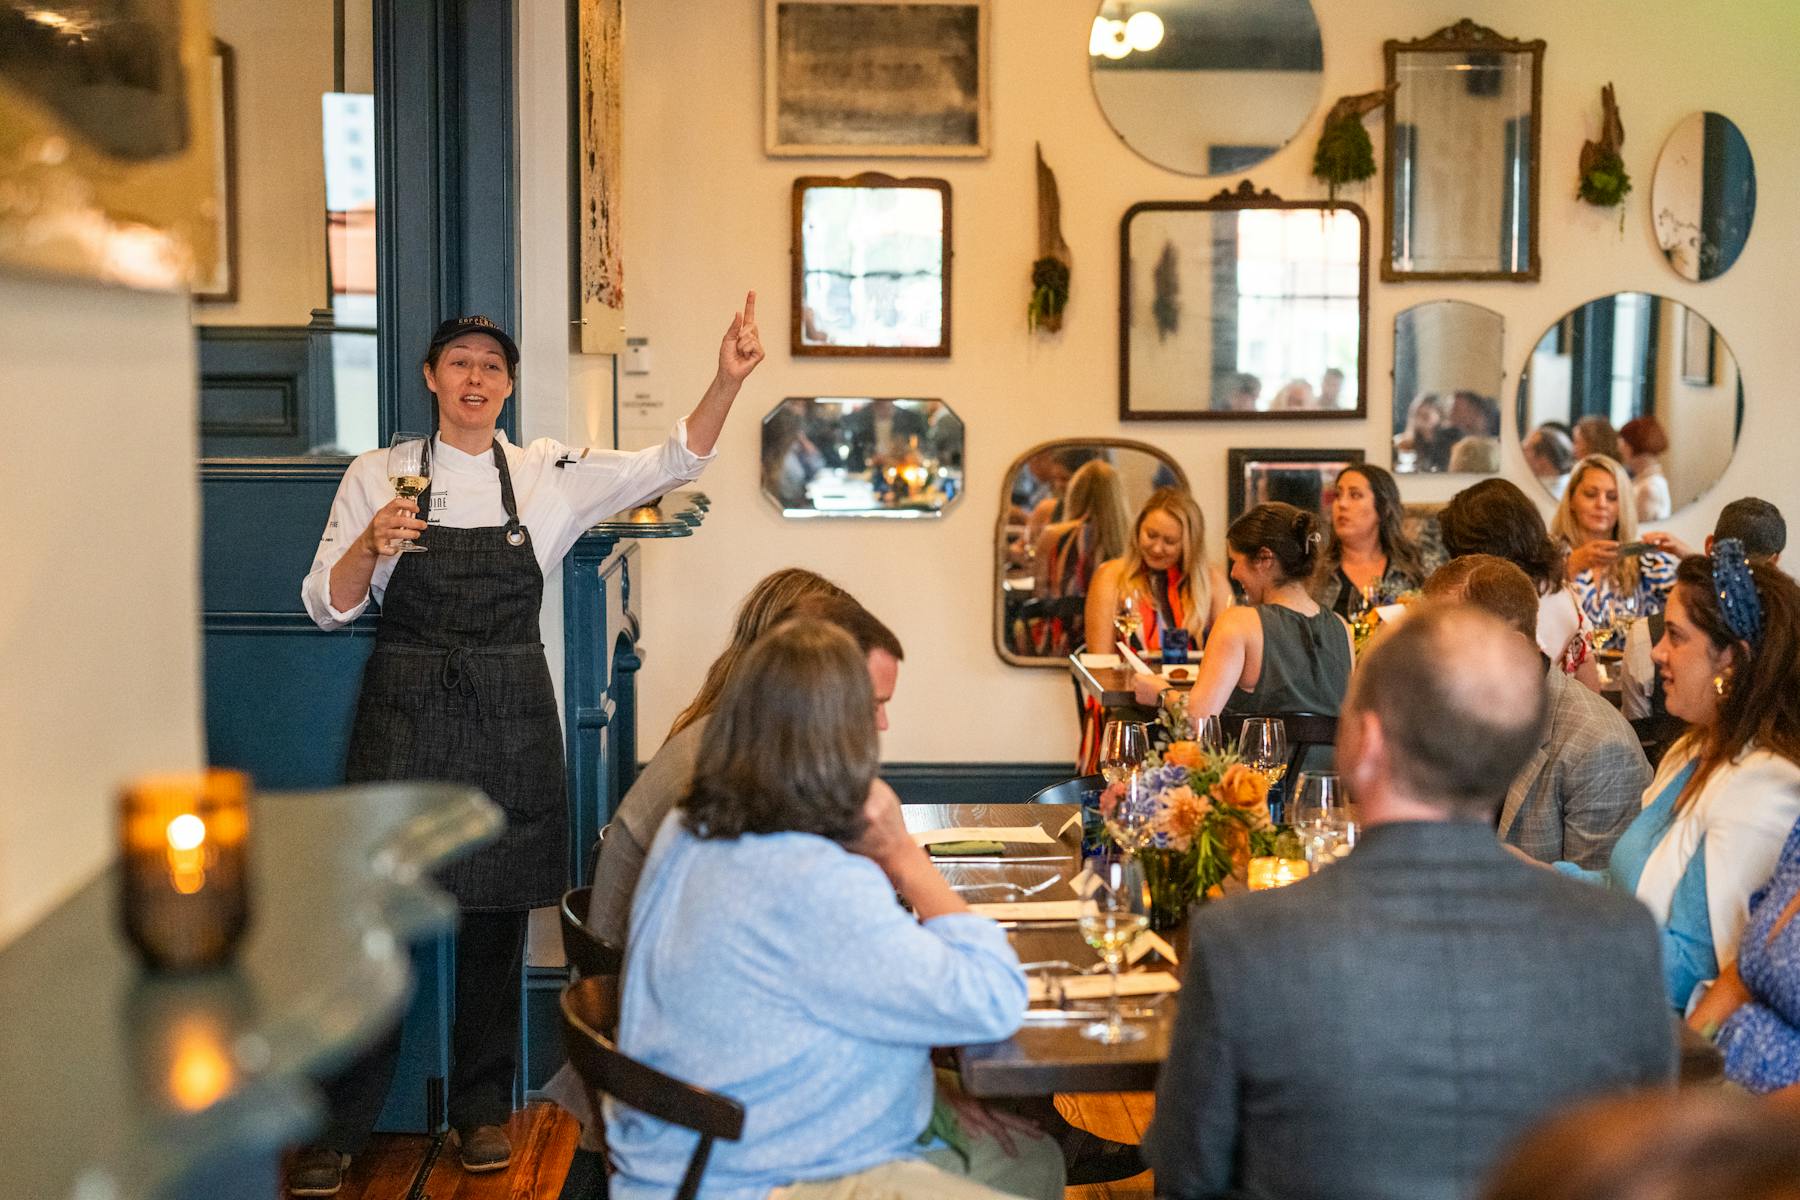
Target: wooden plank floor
x: 544, y: 1138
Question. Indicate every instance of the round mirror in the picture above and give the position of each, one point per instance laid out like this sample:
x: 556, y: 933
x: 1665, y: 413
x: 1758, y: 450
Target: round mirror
x: 1206, y: 87
x: 1704, y: 196
x: 1640, y: 378
x: 1065, y: 507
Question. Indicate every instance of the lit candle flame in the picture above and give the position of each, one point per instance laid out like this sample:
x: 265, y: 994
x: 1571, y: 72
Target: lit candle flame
x: 187, y: 853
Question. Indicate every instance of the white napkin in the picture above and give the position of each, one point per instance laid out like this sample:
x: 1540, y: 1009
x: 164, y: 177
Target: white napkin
x: 1031, y: 910
x: 1099, y: 987
x: 1005, y: 833
x: 1097, y: 662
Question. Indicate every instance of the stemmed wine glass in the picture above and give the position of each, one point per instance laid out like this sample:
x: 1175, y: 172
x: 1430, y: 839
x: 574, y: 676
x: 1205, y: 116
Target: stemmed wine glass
x: 1112, y: 916
x: 1209, y: 733
x: 1321, y: 816
x: 1262, y: 745
x: 409, y: 470
x: 1123, y: 747
x: 1129, y: 621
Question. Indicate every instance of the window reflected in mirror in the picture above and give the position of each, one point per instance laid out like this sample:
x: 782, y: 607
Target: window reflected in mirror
x: 1704, y: 196
x: 1642, y: 379
x: 871, y: 266
x: 1065, y: 508
x: 288, y: 358
x: 1462, y: 156
x: 1447, y: 375
x: 1206, y: 87
x: 862, y: 457
x: 1244, y: 307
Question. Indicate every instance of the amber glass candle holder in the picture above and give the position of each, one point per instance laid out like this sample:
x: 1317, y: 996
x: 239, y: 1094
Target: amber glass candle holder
x: 1272, y: 872
x: 184, y: 868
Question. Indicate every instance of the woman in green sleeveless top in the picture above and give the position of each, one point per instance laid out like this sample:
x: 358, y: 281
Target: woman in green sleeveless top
x: 1281, y: 653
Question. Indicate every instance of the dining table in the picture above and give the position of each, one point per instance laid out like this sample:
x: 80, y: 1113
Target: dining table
x: 1107, y: 678
x: 1048, y: 1054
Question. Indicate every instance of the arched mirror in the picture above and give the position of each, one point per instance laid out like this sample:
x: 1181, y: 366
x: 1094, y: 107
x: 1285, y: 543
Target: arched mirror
x: 838, y: 456
x: 1447, y: 373
x: 1206, y: 87
x: 1065, y: 507
x: 1704, y: 196
x: 1642, y: 378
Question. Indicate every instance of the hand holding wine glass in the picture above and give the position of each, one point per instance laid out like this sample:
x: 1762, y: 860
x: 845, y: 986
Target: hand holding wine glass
x: 409, y: 470
x: 1112, y: 916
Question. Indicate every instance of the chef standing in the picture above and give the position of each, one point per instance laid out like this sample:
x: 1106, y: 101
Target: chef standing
x: 457, y: 688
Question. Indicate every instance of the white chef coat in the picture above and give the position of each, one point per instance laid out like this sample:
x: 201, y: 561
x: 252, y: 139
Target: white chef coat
x: 557, y: 504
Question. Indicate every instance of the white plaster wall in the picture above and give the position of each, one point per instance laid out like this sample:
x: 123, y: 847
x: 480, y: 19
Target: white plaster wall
x: 707, y: 216
x: 99, y: 595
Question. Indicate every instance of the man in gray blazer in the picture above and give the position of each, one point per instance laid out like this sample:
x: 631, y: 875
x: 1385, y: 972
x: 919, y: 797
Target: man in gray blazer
x: 1585, y: 781
x: 1386, y: 1028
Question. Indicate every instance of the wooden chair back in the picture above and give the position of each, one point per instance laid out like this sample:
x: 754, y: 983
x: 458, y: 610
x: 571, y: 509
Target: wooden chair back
x: 586, y: 951
x: 588, y: 1007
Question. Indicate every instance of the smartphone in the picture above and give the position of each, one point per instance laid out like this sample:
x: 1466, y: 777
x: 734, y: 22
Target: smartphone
x: 1633, y: 549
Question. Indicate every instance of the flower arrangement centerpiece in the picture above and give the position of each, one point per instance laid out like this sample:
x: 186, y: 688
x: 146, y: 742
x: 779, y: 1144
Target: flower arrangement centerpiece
x: 1192, y: 816
x: 1367, y: 619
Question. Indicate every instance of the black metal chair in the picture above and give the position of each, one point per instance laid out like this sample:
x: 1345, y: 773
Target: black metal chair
x: 593, y: 860
x: 591, y: 955
x: 1069, y: 791
x: 587, y: 1008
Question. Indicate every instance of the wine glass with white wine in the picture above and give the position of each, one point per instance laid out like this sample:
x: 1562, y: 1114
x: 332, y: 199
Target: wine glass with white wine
x: 1112, y: 916
x: 409, y: 470
x: 1262, y: 744
x: 1129, y: 621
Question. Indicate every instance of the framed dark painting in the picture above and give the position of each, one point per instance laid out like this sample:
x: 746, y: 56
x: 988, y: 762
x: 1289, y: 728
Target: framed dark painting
x: 1304, y: 478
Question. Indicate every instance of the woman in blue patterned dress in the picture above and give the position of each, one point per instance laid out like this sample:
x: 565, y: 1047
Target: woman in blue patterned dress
x: 1596, y: 519
x: 1728, y: 793
x: 1754, y: 1008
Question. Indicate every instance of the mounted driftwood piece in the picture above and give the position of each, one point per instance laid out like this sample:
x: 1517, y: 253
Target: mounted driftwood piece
x: 1604, y: 180
x: 1050, y: 273
x: 1345, y: 154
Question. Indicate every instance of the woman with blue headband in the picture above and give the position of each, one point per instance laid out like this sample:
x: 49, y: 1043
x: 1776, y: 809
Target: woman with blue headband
x: 1728, y: 793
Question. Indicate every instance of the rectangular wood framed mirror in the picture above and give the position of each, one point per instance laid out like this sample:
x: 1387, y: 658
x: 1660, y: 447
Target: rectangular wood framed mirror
x: 1463, y: 162
x: 871, y: 267
x: 1242, y: 307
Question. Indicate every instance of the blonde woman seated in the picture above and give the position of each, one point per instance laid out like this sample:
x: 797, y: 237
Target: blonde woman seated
x: 1283, y: 652
x: 1596, y: 520
x: 1726, y: 795
x: 769, y: 960
x: 1163, y: 572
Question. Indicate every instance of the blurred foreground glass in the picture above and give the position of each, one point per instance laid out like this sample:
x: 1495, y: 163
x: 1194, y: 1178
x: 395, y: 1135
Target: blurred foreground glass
x: 1320, y: 815
x: 183, y: 871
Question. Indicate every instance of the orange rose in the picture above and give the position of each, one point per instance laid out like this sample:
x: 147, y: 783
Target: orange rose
x: 1186, y: 814
x: 1242, y: 787
x: 1182, y: 754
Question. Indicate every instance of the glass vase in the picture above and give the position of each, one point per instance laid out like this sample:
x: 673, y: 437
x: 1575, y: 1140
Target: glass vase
x: 1172, y: 877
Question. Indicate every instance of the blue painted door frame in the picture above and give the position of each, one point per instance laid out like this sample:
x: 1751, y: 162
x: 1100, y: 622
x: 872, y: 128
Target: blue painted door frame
x: 279, y: 693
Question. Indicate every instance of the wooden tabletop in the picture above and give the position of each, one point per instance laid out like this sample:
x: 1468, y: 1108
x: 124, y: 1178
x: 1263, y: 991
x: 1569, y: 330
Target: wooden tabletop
x: 1043, y: 1058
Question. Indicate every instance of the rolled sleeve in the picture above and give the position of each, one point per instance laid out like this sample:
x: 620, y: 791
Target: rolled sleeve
x: 351, y: 510
x: 598, y: 483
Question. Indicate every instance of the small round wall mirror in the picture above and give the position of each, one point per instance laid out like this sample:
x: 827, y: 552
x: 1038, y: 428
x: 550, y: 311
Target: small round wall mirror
x: 1642, y: 379
x: 1704, y: 196
x: 1206, y: 87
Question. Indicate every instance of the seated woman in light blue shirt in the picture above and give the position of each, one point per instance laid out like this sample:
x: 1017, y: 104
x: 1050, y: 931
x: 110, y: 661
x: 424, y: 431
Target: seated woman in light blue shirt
x: 768, y: 960
x: 1725, y: 797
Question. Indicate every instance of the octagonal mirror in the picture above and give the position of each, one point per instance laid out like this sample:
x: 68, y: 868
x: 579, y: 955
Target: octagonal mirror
x: 862, y: 456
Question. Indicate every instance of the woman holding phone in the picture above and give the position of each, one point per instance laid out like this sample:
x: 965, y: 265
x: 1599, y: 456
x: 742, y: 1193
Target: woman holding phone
x: 1612, y: 568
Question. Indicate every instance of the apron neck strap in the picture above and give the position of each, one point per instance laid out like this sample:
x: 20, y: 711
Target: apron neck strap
x: 506, y: 491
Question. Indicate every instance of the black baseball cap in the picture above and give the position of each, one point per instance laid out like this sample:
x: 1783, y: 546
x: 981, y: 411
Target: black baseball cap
x: 455, y: 327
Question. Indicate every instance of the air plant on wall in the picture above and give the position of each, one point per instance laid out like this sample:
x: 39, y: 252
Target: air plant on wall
x: 1345, y: 154
x: 1050, y: 273
x: 1604, y: 181
x: 1165, y: 306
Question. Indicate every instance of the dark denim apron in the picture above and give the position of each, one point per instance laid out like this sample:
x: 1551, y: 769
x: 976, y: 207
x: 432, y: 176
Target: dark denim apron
x: 457, y: 690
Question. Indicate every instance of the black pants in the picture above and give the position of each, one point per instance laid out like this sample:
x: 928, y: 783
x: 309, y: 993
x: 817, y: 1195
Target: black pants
x: 484, y: 1040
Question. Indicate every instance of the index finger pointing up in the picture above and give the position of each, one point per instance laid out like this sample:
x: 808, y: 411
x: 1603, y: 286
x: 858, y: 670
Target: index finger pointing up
x: 749, y: 308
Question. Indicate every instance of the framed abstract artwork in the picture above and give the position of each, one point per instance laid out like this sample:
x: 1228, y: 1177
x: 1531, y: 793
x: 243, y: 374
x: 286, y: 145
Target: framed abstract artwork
x: 867, y: 78
x: 600, y: 262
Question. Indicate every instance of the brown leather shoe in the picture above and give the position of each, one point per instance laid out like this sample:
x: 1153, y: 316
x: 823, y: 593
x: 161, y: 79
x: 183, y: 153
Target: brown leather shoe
x: 484, y: 1148
x: 316, y: 1172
